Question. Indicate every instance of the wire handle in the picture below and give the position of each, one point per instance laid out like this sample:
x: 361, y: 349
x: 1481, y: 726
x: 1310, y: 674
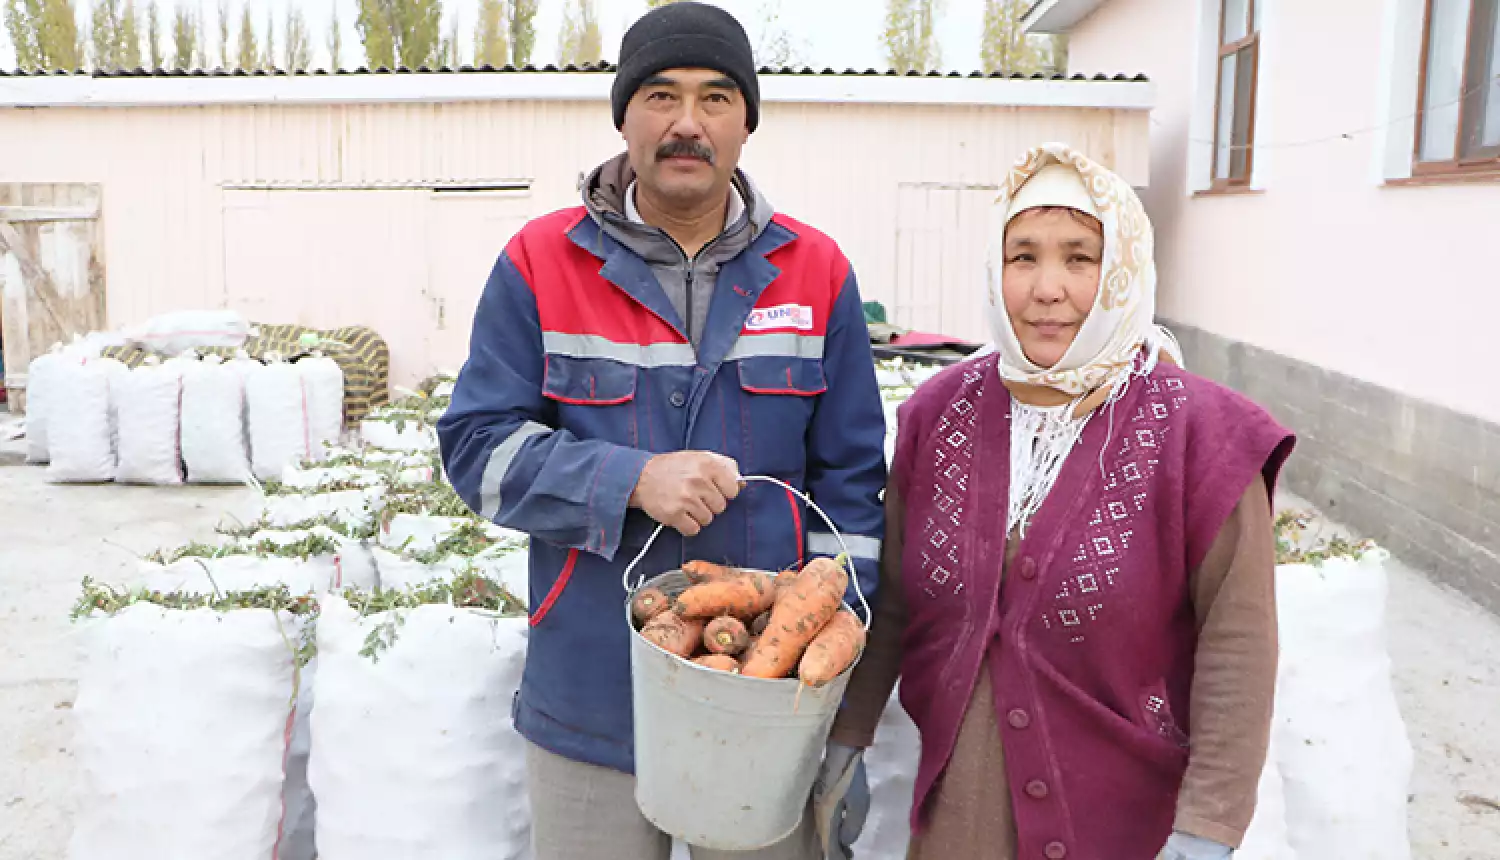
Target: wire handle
x: 849, y: 558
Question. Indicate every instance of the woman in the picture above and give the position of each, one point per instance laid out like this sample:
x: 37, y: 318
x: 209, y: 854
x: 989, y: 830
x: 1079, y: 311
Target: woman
x: 1078, y: 572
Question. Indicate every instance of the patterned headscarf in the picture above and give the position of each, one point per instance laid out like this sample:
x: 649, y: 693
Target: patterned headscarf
x: 1122, y: 319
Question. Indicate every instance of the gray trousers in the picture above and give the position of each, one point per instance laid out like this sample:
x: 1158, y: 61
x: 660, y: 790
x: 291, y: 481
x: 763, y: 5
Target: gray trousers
x: 584, y: 812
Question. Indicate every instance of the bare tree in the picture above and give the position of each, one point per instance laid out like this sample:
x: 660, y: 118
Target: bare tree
x: 774, y: 44
x: 911, y: 35
x: 268, y: 59
x: 407, y: 33
x: 492, y: 36
x: 222, y: 19
x: 335, y: 41
x: 580, y: 43
x: 298, y: 43
x: 130, y: 37
x: 451, y: 55
x: 60, y: 39
x: 23, y: 22
x: 1005, y: 46
x: 185, y: 48
x: 522, y: 30
x: 105, y: 38
x: 248, y: 45
x: 153, y: 35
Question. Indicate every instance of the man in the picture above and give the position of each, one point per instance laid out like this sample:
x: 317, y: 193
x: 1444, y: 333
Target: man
x: 630, y: 360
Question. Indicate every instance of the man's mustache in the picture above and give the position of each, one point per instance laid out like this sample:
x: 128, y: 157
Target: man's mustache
x: 685, y: 149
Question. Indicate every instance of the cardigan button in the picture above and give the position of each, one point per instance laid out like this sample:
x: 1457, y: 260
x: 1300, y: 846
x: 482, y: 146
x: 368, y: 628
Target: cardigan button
x: 1018, y: 719
x: 1037, y: 790
x: 1055, y: 851
x: 1028, y: 568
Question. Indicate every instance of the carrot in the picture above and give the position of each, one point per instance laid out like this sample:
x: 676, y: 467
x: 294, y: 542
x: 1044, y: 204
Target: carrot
x: 722, y: 662
x: 647, y: 604
x: 761, y: 621
x: 726, y: 635
x: 699, y: 572
x: 804, y: 609
x: 674, y: 634
x: 744, y: 595
x: 833, y: 650
x: 786, y: 578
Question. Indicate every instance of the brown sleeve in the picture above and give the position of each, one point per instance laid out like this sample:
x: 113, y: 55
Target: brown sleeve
x: 875, y: 676
x: 1234, y: 596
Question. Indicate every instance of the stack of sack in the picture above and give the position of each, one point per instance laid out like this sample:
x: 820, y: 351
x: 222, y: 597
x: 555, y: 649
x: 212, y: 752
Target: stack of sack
x: 92, y: 418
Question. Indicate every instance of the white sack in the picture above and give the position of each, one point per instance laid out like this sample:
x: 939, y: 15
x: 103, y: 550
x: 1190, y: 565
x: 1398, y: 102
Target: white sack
x: 412, y: 436
x: 214, y: 445
x: 1343, y: 752
x: 147, y: 401
x: 298, y: 478
x: 404, y: 459
x: 280, y: 432
x: 182, y: 725
x: 170, y: 334
x: 414, y: 757
x: 394, y: 571
x: 239, y: 573
x: 299, y: 816
x: 352, y: 564
x: 416, y: 532
x: 324, y: 381
x: 39, y: 384
x: 1267, y: 837
x: 355, y: 508
x: 81, y: 441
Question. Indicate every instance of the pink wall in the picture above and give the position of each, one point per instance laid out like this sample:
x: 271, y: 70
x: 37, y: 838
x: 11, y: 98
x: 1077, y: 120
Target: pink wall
x: 1327, y: 261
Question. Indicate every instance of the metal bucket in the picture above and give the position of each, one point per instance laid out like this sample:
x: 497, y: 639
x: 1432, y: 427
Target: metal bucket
x: 723, y: 761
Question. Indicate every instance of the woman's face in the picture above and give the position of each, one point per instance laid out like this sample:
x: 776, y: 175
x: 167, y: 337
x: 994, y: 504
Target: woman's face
x: 1052, y: 265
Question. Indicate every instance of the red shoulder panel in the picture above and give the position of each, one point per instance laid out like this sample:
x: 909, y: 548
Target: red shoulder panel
x: 571, y: 296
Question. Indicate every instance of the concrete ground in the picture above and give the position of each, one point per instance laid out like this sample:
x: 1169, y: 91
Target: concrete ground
x: 1446, y: 653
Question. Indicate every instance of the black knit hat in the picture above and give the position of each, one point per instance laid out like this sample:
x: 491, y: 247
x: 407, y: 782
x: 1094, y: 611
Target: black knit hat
x: 686, y: 35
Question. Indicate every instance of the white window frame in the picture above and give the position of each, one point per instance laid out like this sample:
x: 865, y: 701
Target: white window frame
x: 1202, y: 123
x: 1399, y: 79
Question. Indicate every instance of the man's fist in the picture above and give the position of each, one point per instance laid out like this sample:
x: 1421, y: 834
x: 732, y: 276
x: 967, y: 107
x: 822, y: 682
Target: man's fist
x: 686, y: 489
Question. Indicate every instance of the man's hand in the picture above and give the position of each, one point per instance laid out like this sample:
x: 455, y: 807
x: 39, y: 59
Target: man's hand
x: 686, y: 489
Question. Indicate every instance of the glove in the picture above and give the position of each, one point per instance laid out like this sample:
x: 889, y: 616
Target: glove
x: 1184, y: 846
x: 841, y: 801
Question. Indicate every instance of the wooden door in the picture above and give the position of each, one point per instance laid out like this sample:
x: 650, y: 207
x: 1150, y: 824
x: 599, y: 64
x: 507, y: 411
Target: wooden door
x: 51, y: 272
x: 466, y: 231
x: 941, y: 236
x: 331, y: 258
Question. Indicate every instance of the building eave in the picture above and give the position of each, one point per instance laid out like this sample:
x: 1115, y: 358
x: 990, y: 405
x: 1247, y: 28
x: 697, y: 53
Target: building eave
x: 1058, y: 16
x: 129, y: 90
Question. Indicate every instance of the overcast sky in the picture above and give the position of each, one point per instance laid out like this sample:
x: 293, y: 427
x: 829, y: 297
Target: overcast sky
x: 836, y: 33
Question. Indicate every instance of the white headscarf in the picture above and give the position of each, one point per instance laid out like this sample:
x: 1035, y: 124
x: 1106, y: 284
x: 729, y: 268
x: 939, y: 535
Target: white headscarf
x: 1119, y: 330
x: 1121, y: 321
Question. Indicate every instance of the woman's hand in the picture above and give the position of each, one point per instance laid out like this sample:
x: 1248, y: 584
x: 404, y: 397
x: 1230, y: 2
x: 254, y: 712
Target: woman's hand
x: 841, y: 800
x: 1183, y: 846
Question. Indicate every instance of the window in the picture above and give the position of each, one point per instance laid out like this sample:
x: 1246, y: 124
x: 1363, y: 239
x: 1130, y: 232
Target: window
x: 1234, y: 114
x: 1458, y: 128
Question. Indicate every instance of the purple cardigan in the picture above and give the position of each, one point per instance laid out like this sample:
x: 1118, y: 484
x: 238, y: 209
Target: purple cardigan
x: 1092, y: 634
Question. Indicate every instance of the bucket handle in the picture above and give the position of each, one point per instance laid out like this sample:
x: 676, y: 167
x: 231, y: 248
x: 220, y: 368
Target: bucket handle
x: 849, y: 559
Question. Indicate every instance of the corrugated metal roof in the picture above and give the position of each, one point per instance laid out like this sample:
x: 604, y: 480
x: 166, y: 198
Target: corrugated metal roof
x: 600, y: 68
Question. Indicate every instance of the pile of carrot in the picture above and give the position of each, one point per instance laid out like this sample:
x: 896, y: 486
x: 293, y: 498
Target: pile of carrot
x: 756, y: 624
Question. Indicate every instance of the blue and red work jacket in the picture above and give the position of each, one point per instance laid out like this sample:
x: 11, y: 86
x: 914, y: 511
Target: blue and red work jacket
x: 579, y: 371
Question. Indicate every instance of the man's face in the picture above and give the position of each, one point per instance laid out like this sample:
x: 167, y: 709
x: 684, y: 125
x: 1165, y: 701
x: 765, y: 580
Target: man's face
x: 684, y: 129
